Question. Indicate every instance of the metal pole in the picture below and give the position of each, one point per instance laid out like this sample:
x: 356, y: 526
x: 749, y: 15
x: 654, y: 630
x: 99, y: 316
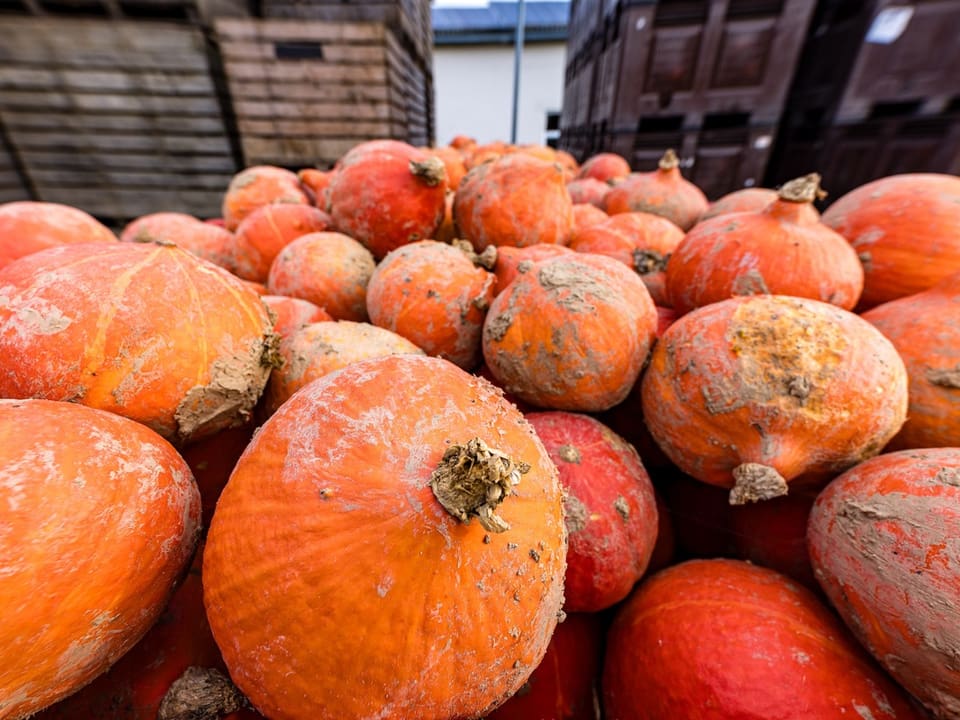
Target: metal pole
x: 517, y: 60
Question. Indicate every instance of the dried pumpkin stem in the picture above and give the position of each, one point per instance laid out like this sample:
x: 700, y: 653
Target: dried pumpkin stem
x: 669, y: 161
x: 432, y: 170
x: 804, y: 189
x: 487, y: 259
x: 945, y: 378
x: 755, y: 482
x: 648, y: 261
x: 473, y: 479
x: 201, y: 694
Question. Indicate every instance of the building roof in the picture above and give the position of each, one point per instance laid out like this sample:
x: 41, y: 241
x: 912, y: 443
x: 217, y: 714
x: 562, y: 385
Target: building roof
x: 497, y: 22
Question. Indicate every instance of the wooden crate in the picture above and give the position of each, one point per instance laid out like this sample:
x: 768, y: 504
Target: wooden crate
x: 12, y: 186
x: 306, y: 91
x: 120, y: 118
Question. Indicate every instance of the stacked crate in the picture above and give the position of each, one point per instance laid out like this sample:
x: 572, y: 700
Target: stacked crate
x: 877, y: 93
x: 708, y: 78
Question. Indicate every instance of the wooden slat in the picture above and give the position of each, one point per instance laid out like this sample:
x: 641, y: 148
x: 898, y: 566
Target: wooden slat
x: 172, y: 163
x: 155, y: 124
x: 103, y: 142
x: 298, y: 91
x: 125, y: 203
x: 313, y: 128
x: 92, y: 178
x: 292, y: 110
x: 101, y: 81
x: 305, y: 70
x: 274, y: 30
x: 105, y: 103
x: 336, y: 53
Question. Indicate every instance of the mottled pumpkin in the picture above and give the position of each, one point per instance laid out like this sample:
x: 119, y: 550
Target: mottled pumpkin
x: 268, y: 230
x: 27, y: 226
x: 587, y: 190
x: 513, y: 261
x: 743, y: 200
x: 292, y: 313
x: 256, y: 186
x: 203, y: 239
x: 359, y: 563
x: 585, y: 215
x: 604, y: 166
x: 100, y: 519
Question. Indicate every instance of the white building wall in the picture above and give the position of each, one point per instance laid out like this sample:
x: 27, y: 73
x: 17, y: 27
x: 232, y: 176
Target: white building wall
x: 473, y: 87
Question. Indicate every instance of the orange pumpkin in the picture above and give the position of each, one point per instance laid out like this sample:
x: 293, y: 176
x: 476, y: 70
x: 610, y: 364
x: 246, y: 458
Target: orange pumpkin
x: 745, y: 200
x: 725, y: 640
x: 27, y: 227
x: 515, y: 200
x: 883, y: 540
x: 453, y: 163
x: 662, y: 192
x: 571, y: 334
x: 642, y: 241
x: 587, y: 190
x: 906, y: 229
x: 316, y: 182
x: 386, y: 193
x: 256, y: 186
x: 268, y: 230
x: 783, y: 249
x: 293, y: 313
x: 322, y: 347
x: 753, y: 393
x: 925, y: 329
x: 513, y: 261
x: 203, y: 239
x: 585, y: 215
x: 345, y: 573
x: 604, y: 166
x: 329, y: 269
x: 86, y: 323
x: 434, y: 295
x: 100, y: 519
x: 211, y: 460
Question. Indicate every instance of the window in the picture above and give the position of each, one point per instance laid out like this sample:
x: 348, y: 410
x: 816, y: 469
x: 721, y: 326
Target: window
x: 553, y: 128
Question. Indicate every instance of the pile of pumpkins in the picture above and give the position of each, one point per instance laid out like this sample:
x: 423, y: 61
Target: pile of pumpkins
x: 478, y: 431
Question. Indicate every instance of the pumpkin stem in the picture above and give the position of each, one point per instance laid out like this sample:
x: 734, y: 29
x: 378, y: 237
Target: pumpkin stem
x: 201, y: 694
x: 669, y: 161
x: 648, y: 261
x: 754, y: 482
x: 487, y: 259
x: 472, y: 479
x: 945, y: 378
x: 804, y: 189
x: 432, y: 170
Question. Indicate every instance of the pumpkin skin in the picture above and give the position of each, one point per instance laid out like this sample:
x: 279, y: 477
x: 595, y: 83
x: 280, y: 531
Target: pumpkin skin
x: 316, y: 182
x: 883, y: 541
x: 925, y: 329
x: 611, y: 511
x: 585, y: 215
x: 604, y: 166
x: 70, y: 474
x: 320, y: 348
x: 571, y: 334
x: 331, y: 507
x: 783, y: 249
x: 587, y: 190
x: 515, y: 200
x: 205, y: 240
x: 662, y: 192
x: 746, y: 200
x: 212, y: 459
x: 293, y: 313
x: 906, y: 230
x: 27, y: 226
x: 82, y: 323
x: 725, y: 640
x: 256, y: 186
x: 641, y: 241
x: 753, y: 393
x: 565, y: 686
x: 436, y: 297
x: 386, y: 193
x: 267, y: 231
x: 329, y: 269
x: 513, y: 261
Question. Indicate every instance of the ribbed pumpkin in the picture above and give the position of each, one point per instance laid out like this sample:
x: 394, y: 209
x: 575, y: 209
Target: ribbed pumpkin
x: 587, y: 190
x: 330, y: 269
x: 604, y: 166
x: 386, y: 193
x: 925, y: 329
x: 513, y: 261
x: 755, y: 392
x: 641, y: 241
x: 146, y: 331
x: 514, y: 200
x: 611, y: 512
x: 268, y: 230
x: 256, y: 186
x: 434, y: 295
x: 725, y: 640
x: 320, y: 348
x: 571, y: 334
x: 883, y: 542
x: 663, y: 191
x: 906, y: 229
x: 27, y: 226
x: 290, y: 313
x: 345, y: 575
x: 783, y: 249
x: 100, y: 519
x: 744, y: 200
x: 203, y: 239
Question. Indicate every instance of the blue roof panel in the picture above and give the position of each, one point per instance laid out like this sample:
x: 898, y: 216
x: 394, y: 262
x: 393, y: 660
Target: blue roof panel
x: 500, y: 16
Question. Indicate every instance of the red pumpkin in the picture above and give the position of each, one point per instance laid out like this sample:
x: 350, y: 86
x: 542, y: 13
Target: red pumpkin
x: 146, y: 331
x: 925, y: 329
x: 566, y: 685
x: 341, y: 503
x: 883, y: 542
x: 745, y: 200
x: 512, y: 261
x: 725, y: 640
x: 265, y: 232
x: 604, y: 166
x: 514, y: 200
x: 611, y: 512
x: 254, y: 187
x: 753, y: 393
x: 100, y: 519
x: 434, y: 295
x: 203, y: 239
x: 661, y: 192
x: 587, y: 190
x: 571, y: 334
x: 386, y: 193
x: 212, y: 459
x: 783, y: 249
x: 906, y: 230
x: 641, y: 241
x: 27, y: 227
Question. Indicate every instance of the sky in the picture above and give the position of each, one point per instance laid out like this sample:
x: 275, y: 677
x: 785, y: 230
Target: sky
x: 468, y: 3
